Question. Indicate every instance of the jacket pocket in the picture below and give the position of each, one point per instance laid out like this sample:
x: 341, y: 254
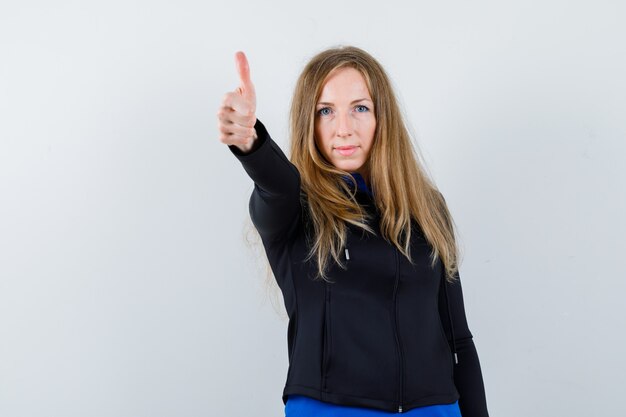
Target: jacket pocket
x: 327, y: 343
x: 448, y: 349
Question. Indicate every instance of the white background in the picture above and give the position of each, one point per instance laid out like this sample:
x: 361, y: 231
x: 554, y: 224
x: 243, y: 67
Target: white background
x: 126, y: 288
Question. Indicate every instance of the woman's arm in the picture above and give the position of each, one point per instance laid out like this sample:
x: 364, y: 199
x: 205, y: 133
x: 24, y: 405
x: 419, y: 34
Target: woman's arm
x: 467, y: 373
x: 275, y: 201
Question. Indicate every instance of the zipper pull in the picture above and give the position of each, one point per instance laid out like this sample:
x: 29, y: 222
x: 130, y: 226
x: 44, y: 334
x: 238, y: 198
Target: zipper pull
x: 399, y: 409
x: 347, y: 254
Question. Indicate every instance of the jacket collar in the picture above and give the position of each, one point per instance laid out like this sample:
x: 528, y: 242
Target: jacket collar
x: 360, y: 182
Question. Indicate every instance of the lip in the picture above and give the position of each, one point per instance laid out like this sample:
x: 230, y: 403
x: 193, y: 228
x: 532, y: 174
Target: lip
x: 346, y: 150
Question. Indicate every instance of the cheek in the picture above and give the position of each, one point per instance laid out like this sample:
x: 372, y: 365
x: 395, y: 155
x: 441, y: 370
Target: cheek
x: 321, y: 137
x: 321, y: 143
x: 371, y: 131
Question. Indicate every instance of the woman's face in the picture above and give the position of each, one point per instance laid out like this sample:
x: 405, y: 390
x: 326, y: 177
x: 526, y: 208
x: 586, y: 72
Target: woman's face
x: 345, y: 121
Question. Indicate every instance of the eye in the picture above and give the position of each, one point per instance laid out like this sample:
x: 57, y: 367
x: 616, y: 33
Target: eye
x: 325, y: 111
x: 361, y: 109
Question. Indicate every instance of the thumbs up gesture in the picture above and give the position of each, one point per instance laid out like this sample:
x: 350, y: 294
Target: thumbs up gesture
x: 236, y: 116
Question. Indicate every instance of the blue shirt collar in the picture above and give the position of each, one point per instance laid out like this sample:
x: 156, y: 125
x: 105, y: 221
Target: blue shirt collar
x: 360, y: 182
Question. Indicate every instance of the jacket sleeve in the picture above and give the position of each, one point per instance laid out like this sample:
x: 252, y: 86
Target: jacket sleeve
x: 274, y: 204
x: 467, y: 373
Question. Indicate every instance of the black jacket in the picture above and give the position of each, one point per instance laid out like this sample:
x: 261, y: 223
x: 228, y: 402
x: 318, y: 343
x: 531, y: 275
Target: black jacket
x: 385, y: 333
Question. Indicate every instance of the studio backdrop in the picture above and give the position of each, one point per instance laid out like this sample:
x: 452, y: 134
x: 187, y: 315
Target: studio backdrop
x: 129, y: 282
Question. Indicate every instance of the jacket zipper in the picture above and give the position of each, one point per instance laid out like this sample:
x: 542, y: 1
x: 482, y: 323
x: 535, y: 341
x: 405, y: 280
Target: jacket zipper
x: 400, y: 363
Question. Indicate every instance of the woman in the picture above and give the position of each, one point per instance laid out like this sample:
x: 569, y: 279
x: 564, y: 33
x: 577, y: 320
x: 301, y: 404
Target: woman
x: 362, y: 246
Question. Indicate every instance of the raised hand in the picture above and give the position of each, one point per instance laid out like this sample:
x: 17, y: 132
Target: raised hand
x: 237, y: 114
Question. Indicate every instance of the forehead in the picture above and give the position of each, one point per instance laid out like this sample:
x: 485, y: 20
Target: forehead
x: 344, y: 83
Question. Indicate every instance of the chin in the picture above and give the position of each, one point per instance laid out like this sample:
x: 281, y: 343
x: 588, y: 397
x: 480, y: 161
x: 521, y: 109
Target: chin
x: 348, y: 166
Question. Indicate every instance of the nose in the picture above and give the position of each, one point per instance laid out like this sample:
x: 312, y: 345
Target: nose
x: 344, y: 125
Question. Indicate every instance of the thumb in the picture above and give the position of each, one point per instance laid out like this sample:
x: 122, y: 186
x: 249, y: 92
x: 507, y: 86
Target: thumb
x: 243, y: 69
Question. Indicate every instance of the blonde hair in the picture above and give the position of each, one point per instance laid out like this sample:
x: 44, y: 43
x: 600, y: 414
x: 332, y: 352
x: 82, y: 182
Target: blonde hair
x: 403, y: 192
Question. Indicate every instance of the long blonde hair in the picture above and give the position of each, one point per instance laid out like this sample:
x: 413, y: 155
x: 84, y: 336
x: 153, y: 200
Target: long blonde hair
x: 403, y: 191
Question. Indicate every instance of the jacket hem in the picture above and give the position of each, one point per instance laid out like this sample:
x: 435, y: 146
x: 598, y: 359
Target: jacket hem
x: 353, y: 401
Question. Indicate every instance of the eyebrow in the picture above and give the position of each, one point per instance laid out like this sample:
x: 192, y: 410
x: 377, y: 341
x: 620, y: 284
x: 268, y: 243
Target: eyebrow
x: 324, y: 103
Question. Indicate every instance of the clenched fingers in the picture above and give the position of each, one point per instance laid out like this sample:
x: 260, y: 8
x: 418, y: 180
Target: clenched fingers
x: 238, y: 103
x: 228, y: 115
x: 235, y: 129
